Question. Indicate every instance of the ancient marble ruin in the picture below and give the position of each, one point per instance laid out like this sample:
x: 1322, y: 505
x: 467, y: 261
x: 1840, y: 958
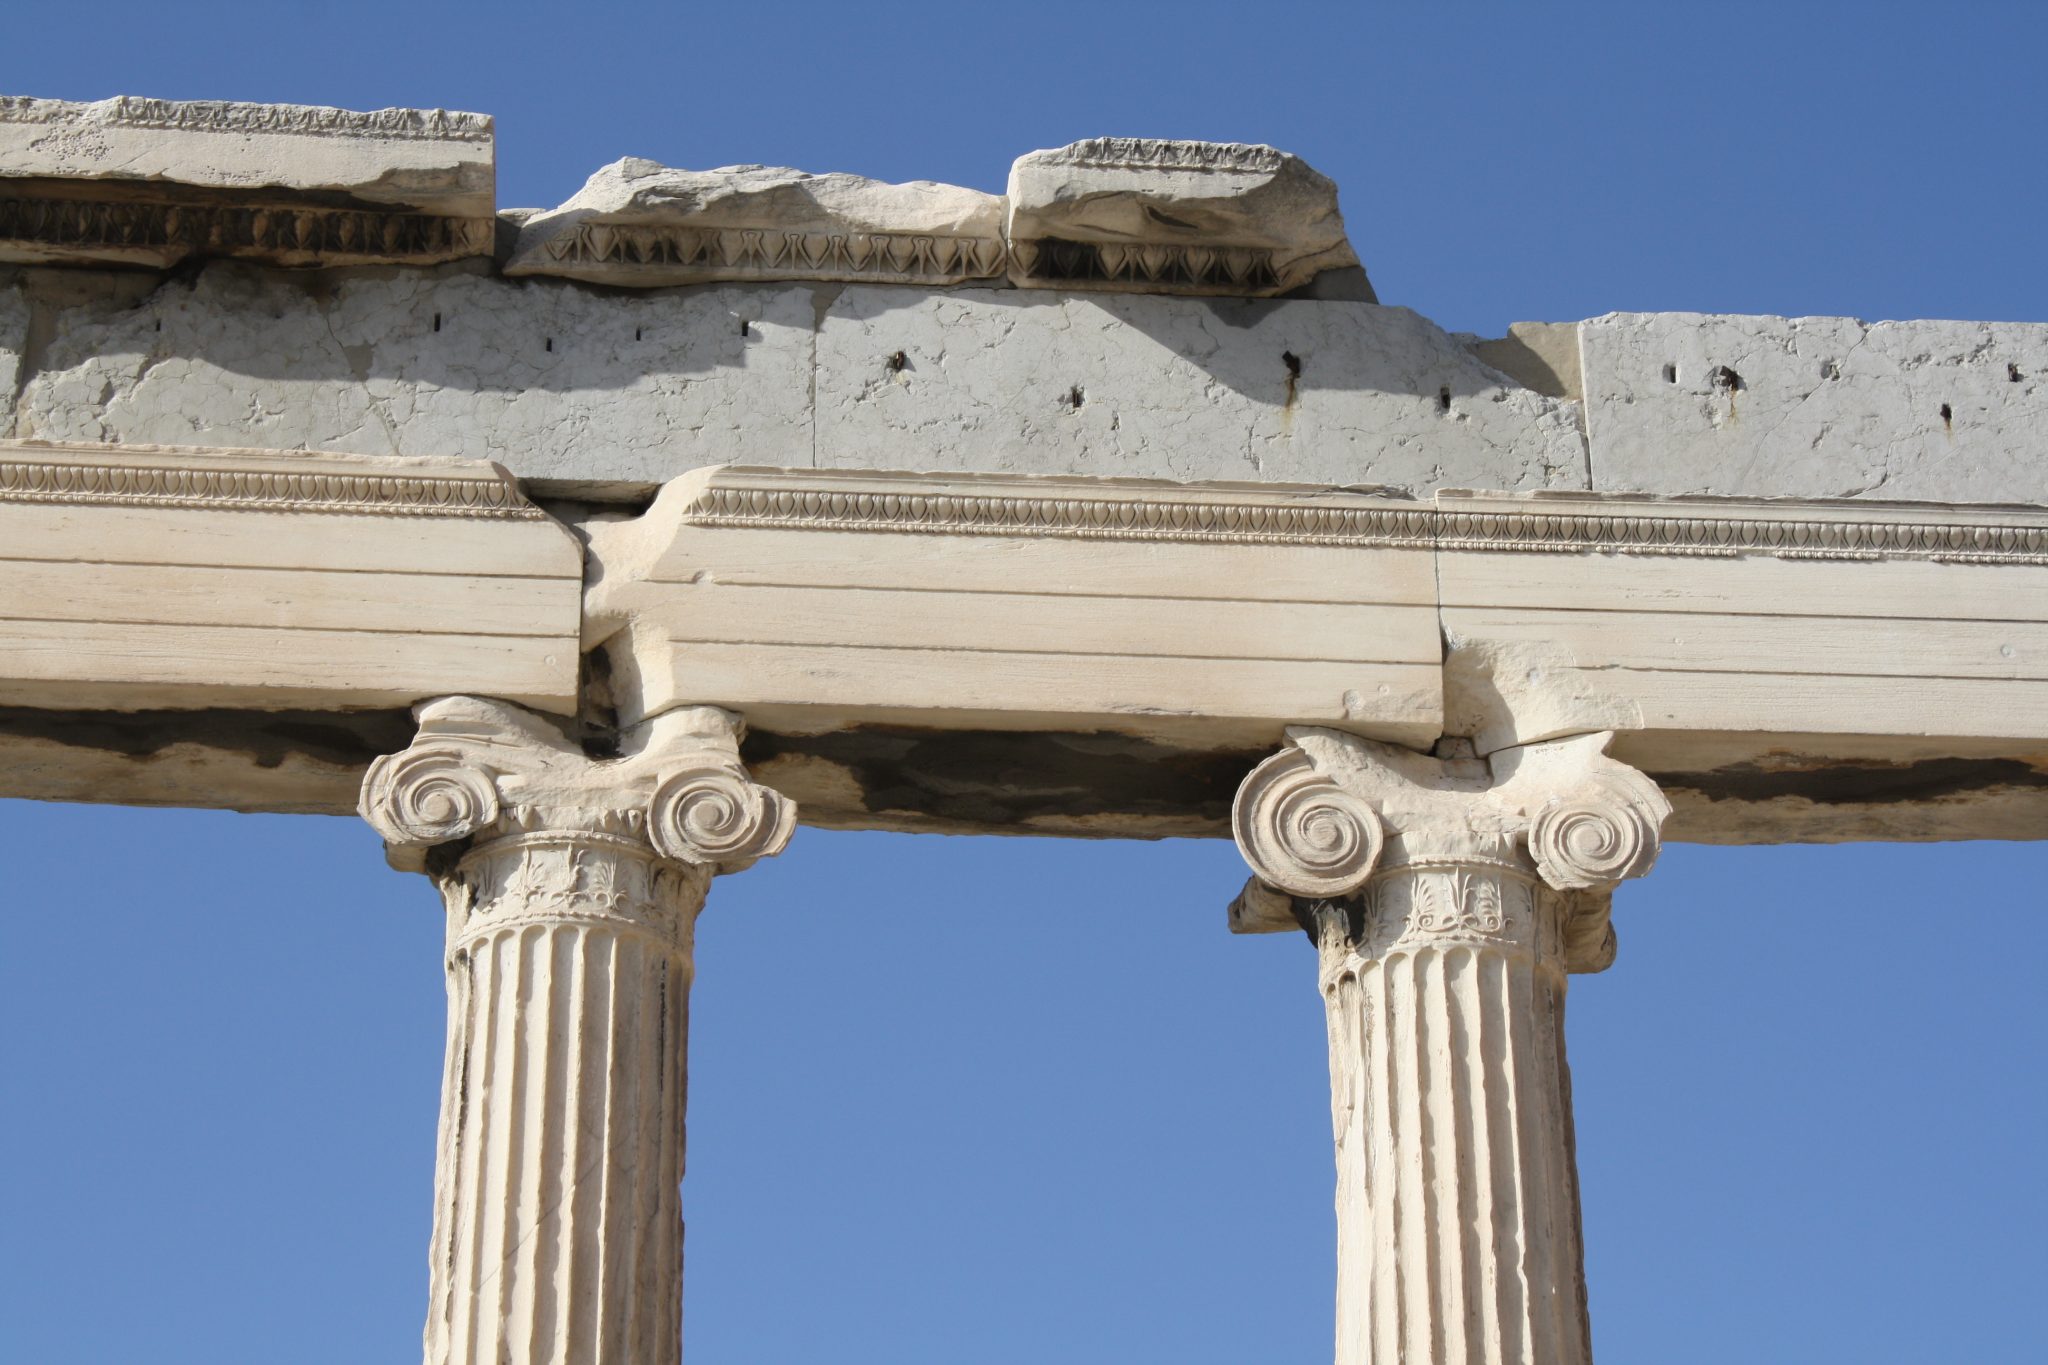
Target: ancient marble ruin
x: 586, y: 552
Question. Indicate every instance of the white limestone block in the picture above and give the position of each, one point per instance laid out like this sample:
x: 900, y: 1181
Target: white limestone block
x: 1817, y: 407
x: 553, y: 381
x: 790, y: 595
x: 152, y: 182
x: 1044, y: 383
x: 1814, y: 619
x: 142, y: 578
x: 639, y: 223
x: 1155, y: 216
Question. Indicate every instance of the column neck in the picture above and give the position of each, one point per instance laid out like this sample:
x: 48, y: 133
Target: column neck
x: 573, y: 878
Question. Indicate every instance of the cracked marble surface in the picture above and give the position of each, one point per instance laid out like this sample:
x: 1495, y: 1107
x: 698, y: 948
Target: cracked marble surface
x: 607, y: 392
x: 1029, y: 382
x: 553, y: 381
x: 1817, y: 407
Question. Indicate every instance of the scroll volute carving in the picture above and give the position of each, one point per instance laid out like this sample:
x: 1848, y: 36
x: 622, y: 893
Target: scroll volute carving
x: 480, y: 767
x: 1314, y: 820
x: 1303, y: 831
x: 1592, y: 822
x: 716, y: 816
x: 424, y: 796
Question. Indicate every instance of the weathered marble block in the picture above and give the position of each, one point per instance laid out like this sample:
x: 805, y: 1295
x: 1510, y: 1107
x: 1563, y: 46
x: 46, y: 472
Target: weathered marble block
x: 1153, y: 216
x: 1817, y: 407
x: 1044, y: 382
x: 612, y: 392
x: 640, y: 223
x: 146, y: 182
x: 607, y: 389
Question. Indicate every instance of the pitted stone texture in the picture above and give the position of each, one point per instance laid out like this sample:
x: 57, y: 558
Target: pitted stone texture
x: 637, y: 222
x: 552, y: 381
x: 1038, y: 383
x: 421, y: 160
x: 1817, y: 407
x: 1150, y: 215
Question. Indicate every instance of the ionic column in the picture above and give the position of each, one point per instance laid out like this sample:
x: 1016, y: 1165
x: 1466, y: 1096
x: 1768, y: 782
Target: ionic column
x: 1447, y: 899
x: 572, y: 887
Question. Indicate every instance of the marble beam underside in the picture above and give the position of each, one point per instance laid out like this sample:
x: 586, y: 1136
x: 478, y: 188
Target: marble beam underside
x: 1014, y: 654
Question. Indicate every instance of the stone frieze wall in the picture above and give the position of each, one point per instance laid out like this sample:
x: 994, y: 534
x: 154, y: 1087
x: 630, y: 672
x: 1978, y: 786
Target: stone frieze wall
x: 1128, y: 307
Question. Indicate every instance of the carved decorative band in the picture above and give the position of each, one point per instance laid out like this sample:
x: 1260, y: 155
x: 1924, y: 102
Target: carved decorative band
x: 1163, y: 154
x: 1106, y: 518
x: 880, y: 255
x: 331, y: 234
x: 573, y: 878
x: 1477, y: 864
x: 571, y: 841
x: 1723, y: 536
x: 1053, y: 259
x: 1384, y: 526
x: 227, y: 116
x: 262, y: 491
x: 1455, y: 909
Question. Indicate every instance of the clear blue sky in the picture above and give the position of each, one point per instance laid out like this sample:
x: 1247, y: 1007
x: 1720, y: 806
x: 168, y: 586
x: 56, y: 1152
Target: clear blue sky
x: 967, y: 1100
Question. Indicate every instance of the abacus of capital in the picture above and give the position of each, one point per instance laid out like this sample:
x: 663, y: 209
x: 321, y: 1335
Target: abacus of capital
x: 1115, y: 505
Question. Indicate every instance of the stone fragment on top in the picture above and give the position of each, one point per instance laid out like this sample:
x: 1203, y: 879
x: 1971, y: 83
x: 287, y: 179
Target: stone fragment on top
x: 639, y: 223
x: 147, y: 182
x: 1154, y: 216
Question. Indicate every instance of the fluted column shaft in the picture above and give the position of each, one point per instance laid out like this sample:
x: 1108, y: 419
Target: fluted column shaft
x: 558, y: 1219
x: 1447, y: 901
x: 572, y: 888
x: 1457, y: 1199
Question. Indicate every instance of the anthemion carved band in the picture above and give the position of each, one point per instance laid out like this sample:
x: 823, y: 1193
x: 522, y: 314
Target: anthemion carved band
x: 573, y: 886
x: 1447, y: 899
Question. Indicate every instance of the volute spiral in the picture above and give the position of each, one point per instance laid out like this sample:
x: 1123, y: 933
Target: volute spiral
x: 1595, y: 837
x: 1302, y: 832
x: 718, y: 816
x: 427, y: 797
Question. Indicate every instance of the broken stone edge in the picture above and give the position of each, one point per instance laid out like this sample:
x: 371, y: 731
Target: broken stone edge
x: 289, y: 185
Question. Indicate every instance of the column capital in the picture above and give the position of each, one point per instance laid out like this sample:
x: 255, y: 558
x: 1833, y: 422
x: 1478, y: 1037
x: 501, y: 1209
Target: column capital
x: 484, y: 770
x: 572, y: 884
x: 1448, y: 896
x: 1332, y: 813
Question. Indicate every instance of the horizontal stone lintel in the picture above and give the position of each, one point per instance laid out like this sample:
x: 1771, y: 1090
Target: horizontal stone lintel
x: 1120, y: 647
x: 158, y: 578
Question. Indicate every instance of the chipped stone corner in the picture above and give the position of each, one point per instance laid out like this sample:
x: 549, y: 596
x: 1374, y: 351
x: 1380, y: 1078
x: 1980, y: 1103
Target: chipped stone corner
x: 1816, y: 407
x: 1543, y: 356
